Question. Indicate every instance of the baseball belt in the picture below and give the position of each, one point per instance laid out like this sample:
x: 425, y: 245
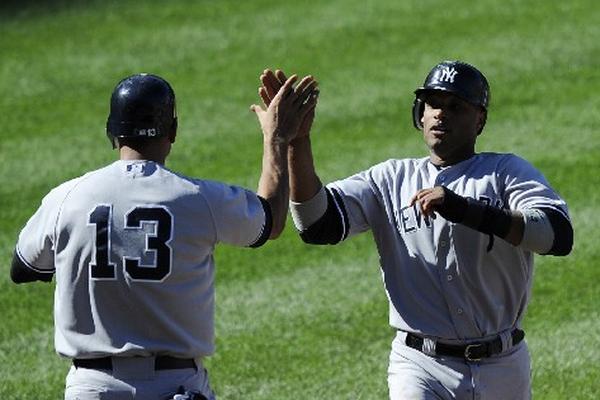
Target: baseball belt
x: 470, y: 352
x: 160, y: 363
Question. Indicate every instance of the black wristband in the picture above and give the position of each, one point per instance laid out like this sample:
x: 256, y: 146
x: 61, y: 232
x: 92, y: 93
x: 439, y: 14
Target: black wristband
x: 495, y: 221
x: 487, y: 219
x: 475, y: 214
x: 454, y: 207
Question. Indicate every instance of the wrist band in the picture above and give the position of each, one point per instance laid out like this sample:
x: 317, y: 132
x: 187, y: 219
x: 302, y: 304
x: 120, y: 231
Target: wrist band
x: 454, y: 206
x: 307, y: 213
x: 475, y: 214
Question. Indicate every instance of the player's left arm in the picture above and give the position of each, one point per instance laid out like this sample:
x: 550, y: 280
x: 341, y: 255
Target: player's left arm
x: 543, y: 230
x: 547, y: 227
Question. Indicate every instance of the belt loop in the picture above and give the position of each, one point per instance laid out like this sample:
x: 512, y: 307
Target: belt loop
x: 506, y: 338
x: 428, y: 346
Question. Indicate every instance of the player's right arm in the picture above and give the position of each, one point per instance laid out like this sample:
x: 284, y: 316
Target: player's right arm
x: 33, y: 258
x: 318, y: 214
x: 23, y: 272
x: 304, y: 182
x: 309, y: 200
x: 279, y: 122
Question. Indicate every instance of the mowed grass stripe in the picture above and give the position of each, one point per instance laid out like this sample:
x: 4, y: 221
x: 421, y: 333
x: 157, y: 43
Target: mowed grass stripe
x: 30, y: 368
x: 298, y: 294
x: 565, y: 359
x: 283, y: 333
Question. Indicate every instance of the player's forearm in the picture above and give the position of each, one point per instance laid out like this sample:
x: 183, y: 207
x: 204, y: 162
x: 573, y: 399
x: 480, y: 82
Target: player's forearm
x: 273, y: 185
x: 541, y: 230
x: 304, y: 181
x: 506, y: 224
x: 516, y: 227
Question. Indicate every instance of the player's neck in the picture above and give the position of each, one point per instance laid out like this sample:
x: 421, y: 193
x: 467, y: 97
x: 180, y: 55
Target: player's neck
x: 444, y: 161
x: 156, y: 155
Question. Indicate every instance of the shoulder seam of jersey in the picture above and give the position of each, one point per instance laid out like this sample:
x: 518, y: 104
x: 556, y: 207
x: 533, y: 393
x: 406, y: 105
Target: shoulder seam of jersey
x: 64, y: 199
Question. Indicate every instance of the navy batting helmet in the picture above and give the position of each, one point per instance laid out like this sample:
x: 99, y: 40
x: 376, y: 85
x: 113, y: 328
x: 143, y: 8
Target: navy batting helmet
x: 141, y: 106
x: 458, y: 78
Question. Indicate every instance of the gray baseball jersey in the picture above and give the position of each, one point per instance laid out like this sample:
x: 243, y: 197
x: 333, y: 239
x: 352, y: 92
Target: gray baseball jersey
x: 443, y: 279
x: 132, y: 245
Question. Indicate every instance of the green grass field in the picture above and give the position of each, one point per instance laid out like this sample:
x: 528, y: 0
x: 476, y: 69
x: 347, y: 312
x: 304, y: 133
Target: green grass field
x: 295, y: 321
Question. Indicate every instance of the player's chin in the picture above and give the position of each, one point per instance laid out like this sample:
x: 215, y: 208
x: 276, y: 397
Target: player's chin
x: 435, y: 143
x: 443, y: 149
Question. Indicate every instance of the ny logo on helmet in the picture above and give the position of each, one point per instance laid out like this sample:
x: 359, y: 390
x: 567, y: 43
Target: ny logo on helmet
x: 448, y: 74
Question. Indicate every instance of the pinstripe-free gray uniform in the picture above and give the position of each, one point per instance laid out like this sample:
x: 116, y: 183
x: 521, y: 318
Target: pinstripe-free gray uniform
x: 446, y: 281
x: 132, y: 248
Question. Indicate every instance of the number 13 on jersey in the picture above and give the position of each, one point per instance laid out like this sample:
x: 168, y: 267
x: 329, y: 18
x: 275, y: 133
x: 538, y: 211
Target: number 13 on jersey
x: 157, y: 242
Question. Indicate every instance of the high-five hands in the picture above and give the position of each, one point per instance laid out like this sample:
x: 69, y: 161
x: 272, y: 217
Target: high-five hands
x: 286, y: 107
x: 272, y: 82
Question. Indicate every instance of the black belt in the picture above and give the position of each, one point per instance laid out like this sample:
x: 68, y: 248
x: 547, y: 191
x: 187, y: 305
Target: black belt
x: 160, y: 363
x: 470, y: 352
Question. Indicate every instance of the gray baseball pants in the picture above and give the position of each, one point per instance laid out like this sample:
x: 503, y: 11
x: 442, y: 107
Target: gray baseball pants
x: 413, y: 375
x: 134, y: 378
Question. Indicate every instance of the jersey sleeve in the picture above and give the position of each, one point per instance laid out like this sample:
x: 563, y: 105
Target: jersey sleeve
x: 525, y: 187
x: 348, y: 202
x: 332, y: 225
x: 35, y: 247
x: 359, y: 199
x: 352, y: 197
x: 241, y: 217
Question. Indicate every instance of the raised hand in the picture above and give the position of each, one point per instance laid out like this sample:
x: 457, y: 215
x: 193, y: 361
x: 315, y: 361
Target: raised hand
x: 286, y: 106
x: 272, y: 82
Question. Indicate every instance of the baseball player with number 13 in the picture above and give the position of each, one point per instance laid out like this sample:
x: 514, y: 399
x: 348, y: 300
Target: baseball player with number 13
x: 456, y: 232
x: 132, y: 244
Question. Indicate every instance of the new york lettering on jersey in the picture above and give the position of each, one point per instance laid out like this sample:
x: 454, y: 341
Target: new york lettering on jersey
x: 455, y: 232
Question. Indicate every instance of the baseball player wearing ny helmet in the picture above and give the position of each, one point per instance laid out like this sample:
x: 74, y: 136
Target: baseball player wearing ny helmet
x: 456, y: 232
x: 131, y: 245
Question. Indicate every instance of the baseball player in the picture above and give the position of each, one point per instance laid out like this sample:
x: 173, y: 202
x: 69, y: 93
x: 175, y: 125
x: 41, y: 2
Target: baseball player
x: 131, y: 246
x: 456, y: 232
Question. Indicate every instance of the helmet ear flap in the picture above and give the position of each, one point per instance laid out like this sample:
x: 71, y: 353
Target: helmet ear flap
x: 110, y: 137
x: 483, y: 122
x: 417, y: 113
x: 173, y: 132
